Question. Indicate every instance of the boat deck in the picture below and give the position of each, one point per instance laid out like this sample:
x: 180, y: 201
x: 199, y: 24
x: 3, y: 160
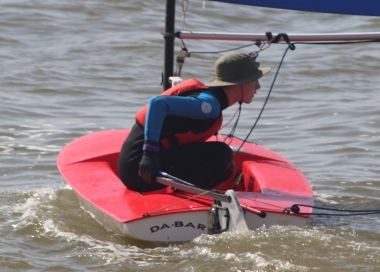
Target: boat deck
x: 89, y: 165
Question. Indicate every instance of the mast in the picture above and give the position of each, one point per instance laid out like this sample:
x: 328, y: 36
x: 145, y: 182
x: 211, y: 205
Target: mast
x: 169, y: 43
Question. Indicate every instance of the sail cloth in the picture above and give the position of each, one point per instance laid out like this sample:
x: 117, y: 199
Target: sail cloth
x: 351, y: 7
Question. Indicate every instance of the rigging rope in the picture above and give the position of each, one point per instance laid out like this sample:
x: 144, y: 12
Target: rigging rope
x: 262, y: 47
x: 296, y: 210
x: 236, y: 123
x: 233, y: 116
x: 185, y: 4
x: 173, y: 204
x: 265, y: 102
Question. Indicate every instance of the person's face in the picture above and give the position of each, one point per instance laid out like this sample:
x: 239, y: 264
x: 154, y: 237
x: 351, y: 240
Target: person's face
x: 249, y: 90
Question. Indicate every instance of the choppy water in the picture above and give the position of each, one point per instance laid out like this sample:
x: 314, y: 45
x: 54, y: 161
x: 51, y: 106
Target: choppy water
x: 69, y: 68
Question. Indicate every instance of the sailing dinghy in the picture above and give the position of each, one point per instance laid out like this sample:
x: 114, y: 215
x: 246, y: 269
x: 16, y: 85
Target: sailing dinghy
x: 266, y: 188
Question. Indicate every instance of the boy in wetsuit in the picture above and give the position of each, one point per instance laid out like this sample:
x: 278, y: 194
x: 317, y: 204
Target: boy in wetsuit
x: 171, y: 131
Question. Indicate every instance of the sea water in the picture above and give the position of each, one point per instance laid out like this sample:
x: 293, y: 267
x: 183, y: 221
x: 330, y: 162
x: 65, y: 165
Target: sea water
x: 70, y: 68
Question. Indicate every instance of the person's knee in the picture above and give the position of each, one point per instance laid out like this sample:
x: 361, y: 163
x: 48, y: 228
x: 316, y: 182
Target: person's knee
x: 225, y: 153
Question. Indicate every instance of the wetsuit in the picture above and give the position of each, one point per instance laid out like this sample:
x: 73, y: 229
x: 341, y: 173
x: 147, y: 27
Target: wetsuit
x: 179, y: 124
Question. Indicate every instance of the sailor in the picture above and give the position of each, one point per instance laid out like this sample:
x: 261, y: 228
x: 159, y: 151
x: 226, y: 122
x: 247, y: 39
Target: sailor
x: 171, y: 131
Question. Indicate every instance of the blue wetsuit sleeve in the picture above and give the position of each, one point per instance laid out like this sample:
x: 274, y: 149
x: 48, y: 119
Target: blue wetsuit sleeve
x: 203, y: 106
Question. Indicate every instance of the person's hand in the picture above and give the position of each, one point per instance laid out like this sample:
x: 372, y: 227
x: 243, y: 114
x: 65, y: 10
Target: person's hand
x: 149, y: 166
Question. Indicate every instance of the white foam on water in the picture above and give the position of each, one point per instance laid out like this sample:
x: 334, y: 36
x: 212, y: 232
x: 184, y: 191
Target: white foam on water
x: 46, y: 148
x: 55, y: 215
x: 35, y: 216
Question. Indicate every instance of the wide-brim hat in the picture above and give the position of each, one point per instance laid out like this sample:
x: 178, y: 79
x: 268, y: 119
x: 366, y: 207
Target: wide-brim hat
x: 236, y: 68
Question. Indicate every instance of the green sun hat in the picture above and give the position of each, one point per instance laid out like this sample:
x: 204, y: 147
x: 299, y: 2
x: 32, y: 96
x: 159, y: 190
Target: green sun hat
x: 236, y: 68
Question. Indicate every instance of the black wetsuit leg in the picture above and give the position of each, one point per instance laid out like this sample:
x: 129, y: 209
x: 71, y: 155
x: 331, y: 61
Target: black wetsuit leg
x: 129, y: 159
x: 205, y: 164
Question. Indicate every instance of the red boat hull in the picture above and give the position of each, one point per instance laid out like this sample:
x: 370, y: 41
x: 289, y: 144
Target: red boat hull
x: 269, y: 183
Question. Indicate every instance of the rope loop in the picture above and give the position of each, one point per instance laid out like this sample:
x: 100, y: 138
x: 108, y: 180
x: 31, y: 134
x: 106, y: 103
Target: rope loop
x: 277, y: 38
x: 185, y: 4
